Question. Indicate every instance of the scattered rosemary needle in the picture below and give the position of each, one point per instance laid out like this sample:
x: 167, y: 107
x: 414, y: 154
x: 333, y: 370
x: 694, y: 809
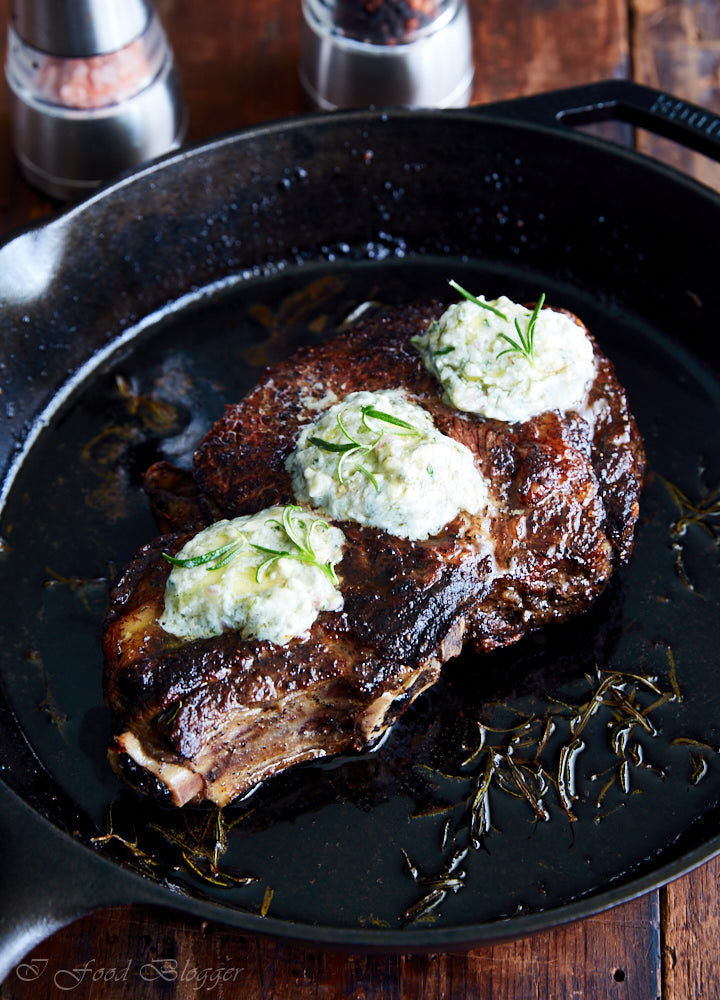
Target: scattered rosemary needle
x: 689, y: 742
x: 673, y: 674
x: 424, y: 906
x: 144, y: 860
x: 566, y: 775
x: 192, y: 842
x: 700, y: 768
x: 515, y: 761
x: 451, y: 878
x: 266, y: 901
x: 701, y: 513
x: 698, y: 512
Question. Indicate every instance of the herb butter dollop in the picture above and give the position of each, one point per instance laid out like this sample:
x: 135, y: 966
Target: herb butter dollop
x: 268, y: 575
x: 378, y: 458
x: 468, y: 350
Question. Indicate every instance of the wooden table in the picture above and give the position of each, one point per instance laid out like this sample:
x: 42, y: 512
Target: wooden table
x: 238, y: 64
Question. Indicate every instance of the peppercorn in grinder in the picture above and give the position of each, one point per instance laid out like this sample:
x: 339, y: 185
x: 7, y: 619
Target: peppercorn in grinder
x: 381, y: 53
x: 94, y: 91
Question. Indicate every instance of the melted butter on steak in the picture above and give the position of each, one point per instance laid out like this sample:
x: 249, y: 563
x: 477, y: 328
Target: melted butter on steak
x: 267, y: 576
x: 500, y: 359
x: 378, y: 459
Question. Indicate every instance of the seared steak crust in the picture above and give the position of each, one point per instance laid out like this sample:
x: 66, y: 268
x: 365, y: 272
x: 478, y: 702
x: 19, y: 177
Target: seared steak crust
x: 211, y: 717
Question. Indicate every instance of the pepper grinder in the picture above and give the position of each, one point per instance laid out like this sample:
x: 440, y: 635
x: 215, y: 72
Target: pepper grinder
x: 94, y: 91
x: 409, y: 53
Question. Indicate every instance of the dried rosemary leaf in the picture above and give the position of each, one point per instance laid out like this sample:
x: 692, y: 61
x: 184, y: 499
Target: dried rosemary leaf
x: 410, y: 867
x: 424, y: 905
x: 699, y: 770
x: 673, y: 674
x: 605, y: 789
x: 266, y: 901
x: 687, y: 741
x: 566, y: 775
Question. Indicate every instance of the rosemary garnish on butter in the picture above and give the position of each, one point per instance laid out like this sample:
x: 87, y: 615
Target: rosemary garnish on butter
x: 214, y: 559
x: 298, y: 532
x: 292, y: 525
x: 476, y: 301
x: 352, y: 448
x: 525, y: 344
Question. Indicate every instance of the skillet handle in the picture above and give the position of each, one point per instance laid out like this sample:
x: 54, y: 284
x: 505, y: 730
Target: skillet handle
x: 622, y: 100
x: 47, y: 880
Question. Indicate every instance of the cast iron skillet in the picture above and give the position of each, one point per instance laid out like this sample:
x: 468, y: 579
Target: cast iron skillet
x: 170, y: 278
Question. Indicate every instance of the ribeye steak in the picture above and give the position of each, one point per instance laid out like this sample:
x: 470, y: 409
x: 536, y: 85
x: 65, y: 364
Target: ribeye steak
x: 209, y: 718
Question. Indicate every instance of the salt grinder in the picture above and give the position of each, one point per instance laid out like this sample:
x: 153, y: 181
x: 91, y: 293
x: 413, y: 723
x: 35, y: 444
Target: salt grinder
x: 407, y: 53
x: 94, y: 91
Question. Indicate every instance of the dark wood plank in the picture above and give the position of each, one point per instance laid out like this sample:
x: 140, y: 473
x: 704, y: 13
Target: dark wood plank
x: 690, y: 909
x: 237, y: 61
x: 676, y: 48
x: 610, y: 955
x: 527, y: 46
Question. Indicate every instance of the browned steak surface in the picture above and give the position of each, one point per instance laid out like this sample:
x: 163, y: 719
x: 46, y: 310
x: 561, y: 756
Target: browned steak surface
x: 209, y: 718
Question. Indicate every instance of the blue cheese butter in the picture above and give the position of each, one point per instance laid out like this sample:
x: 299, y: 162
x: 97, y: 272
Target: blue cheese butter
x: 267, y: 575
x: 468, y: 350
x: 377, y: 458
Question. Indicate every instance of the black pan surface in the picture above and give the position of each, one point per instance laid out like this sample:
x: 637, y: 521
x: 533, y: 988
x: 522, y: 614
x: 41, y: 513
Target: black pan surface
x: 134, y: 317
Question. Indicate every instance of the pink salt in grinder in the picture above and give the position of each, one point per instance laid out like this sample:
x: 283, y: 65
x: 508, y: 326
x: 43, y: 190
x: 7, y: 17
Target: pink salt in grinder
x: 94, y: 91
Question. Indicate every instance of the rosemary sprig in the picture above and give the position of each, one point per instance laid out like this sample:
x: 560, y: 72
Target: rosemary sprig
x: 352, y: 448
x: 297, y: 531
x: 201, y: 841
x: 144, y: 860
x: 292, y: 525
x: 692, y: 512
x: 388, y: 418
x: 215, y: 559
x: 525, y: 344
x: 450, y: 879
x: 695, y: 511
x: 182, y: 842
x: 475, y: 301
